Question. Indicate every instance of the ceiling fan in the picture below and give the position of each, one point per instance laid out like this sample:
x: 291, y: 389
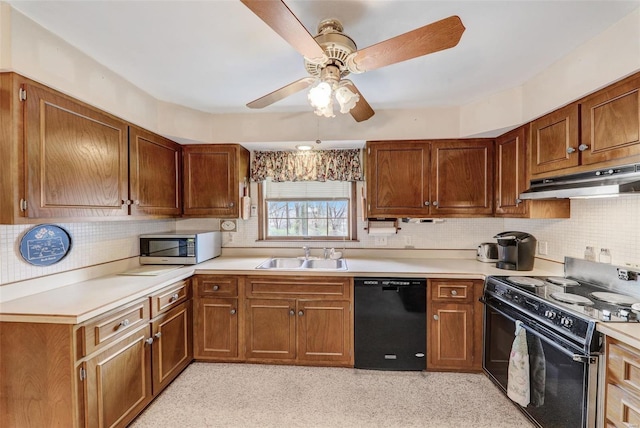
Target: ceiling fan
x: 331, y: 55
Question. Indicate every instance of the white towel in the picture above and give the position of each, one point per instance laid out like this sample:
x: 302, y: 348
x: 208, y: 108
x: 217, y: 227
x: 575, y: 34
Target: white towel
x: 518, y: 387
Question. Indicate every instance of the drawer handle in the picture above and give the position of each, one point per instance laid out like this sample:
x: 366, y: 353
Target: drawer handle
x: 174, y: 298
x: 232, y: 311
x: 215, y: 288
x: 125, y: 322
x: 157, y: 335
x: 454, y: 293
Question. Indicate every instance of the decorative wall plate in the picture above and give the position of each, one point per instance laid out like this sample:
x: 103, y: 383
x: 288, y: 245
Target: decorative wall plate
x: 45, y: 244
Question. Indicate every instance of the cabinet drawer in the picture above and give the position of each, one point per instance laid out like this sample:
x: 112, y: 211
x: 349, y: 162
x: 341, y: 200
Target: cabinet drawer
x: 169, y: 297
x: 107, y: 328
x: 299, y: 287
x: 623, y: 366
x: 216, y: 286
x: 452, y: 290
x: 622, y: 407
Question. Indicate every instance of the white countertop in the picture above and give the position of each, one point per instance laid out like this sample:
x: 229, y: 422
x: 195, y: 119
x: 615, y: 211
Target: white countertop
x: 628, y: 333
x: 80, y: 301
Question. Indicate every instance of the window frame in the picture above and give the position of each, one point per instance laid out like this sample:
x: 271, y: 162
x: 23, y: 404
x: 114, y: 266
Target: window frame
x: 352, y: 220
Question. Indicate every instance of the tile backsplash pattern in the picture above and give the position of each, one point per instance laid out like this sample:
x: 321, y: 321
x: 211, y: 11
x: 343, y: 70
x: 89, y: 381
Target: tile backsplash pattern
x: 601, y: 223
x: 91, y: 244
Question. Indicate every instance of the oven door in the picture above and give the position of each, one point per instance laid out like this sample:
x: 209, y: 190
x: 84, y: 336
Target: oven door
x: 563, y: 394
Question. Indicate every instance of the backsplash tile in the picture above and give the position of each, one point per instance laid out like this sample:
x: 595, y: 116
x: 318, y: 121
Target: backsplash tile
x: 91, y: 244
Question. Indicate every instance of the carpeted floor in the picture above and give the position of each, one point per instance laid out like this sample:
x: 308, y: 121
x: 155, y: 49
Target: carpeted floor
x: 253, y: 395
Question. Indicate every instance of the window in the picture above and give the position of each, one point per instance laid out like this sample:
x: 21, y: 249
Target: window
x: 308, y: 210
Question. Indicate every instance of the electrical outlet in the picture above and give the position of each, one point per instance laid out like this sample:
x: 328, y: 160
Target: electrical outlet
x: 254, y: 211
x: 543, y: 248
x: 380, y: 241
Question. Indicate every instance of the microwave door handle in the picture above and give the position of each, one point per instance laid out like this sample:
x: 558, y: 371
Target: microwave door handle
x: 568, y: 353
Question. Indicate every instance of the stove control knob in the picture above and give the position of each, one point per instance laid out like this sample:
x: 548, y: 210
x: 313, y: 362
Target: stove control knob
x: 566, y: 322
x: 550, y: 314
x: 606, y: 315
x: 624, y: 314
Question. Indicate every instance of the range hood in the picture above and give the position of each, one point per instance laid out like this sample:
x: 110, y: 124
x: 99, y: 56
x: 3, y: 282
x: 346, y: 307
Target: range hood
x: 600, y: 183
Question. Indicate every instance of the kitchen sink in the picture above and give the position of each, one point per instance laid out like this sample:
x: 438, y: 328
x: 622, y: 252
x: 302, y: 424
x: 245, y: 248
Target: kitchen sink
x: 298, y: 263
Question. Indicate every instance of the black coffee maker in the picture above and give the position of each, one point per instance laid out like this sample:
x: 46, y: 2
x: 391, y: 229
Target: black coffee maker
x: 516, y: 250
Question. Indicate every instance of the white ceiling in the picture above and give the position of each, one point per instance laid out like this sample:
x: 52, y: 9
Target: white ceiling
x: 216, y: 56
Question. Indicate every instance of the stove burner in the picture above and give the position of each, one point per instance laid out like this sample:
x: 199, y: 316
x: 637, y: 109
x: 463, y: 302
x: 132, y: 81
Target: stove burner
x: 565, y: 282
x: 571, y: 298
x: 616, y: 299
x: 526, y: 281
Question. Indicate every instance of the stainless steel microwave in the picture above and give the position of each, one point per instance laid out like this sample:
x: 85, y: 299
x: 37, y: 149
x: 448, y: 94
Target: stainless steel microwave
x: 179, y: 248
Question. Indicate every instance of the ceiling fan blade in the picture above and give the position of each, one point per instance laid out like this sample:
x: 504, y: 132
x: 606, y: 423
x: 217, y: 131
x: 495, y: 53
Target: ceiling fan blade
x: 282, y: 93
x: 279, y: 17
x: 437, y: 36
x: 362, y: 110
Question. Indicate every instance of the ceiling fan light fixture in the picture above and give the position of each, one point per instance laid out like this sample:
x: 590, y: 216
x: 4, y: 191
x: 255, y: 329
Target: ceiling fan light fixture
x: 320, y: 94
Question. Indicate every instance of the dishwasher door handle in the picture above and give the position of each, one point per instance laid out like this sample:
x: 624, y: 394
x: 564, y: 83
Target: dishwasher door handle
x: 391, y: 288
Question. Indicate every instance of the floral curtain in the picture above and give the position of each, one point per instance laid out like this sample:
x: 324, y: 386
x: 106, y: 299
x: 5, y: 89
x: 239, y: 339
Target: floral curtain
x: 314, y: 165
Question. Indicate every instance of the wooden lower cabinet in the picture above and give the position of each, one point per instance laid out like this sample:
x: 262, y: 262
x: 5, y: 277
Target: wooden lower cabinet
x: 118, y: 381
x: 299, y: 320
x: 216, y: 328
x: 622, y: 387
x: 454, y: 325
x: 172, y: 345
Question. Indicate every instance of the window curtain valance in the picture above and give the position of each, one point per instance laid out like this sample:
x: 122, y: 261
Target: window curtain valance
x: 315, y: 165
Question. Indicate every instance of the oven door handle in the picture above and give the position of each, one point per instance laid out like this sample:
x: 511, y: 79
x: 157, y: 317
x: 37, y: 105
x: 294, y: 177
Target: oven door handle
x: 575, y: 357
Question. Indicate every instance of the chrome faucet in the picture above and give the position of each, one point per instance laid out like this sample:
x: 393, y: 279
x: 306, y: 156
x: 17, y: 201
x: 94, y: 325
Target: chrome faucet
x: 325, y: 252
x: 307, y: 251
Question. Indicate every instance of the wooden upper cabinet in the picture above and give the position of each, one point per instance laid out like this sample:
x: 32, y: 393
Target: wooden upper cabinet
x: 155, y: 169
x: 212, y: 178
x: 512, y: 178
x: 76, y: 158
x: 511, y: 172
x: 430, y: 178
x: 398, y: 178
x: 554, y: 140
x: 462, y: 177
x: 611, y: 122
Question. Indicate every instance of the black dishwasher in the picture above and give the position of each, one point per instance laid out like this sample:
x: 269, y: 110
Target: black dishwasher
x: 390, y: 323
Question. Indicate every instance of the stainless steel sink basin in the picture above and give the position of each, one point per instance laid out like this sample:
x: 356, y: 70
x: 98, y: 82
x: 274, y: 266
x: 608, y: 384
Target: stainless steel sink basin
x: 295, y: 263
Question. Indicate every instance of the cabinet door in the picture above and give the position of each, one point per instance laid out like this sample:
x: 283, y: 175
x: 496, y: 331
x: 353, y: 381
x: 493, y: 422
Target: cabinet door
x: 397, y: 179
x: 611, y: 123
x: 212, y: 179
x: 324, y: 332
x: 271, y: 329
x: 172, y: 350
x: 76, y: 158
x: 216, y: 328
x: 154, y: 174
x: 462, y: 177
x: 450, y: 334
x: 511, y: 174
x: 554, y: 140
x: 119, y: 381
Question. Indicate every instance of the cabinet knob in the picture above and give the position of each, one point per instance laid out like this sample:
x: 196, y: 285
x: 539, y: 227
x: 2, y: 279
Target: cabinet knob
x: 435, y: 203
x: 583, y: 147
x: 157, y: 335
x: 292, y: 312
x: 125, y: 322
x: 215, y: 287
x: 454, y: 293
x: 136, y: 202
x: 518, y: 201
x: 427, y: 203
x: 300, y: 313
x: 435, y: 317
x: 231, y: 204
x: 570, y: 150
x: 174, y: 297
x: 232, y: 311
x: 149, y: 341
